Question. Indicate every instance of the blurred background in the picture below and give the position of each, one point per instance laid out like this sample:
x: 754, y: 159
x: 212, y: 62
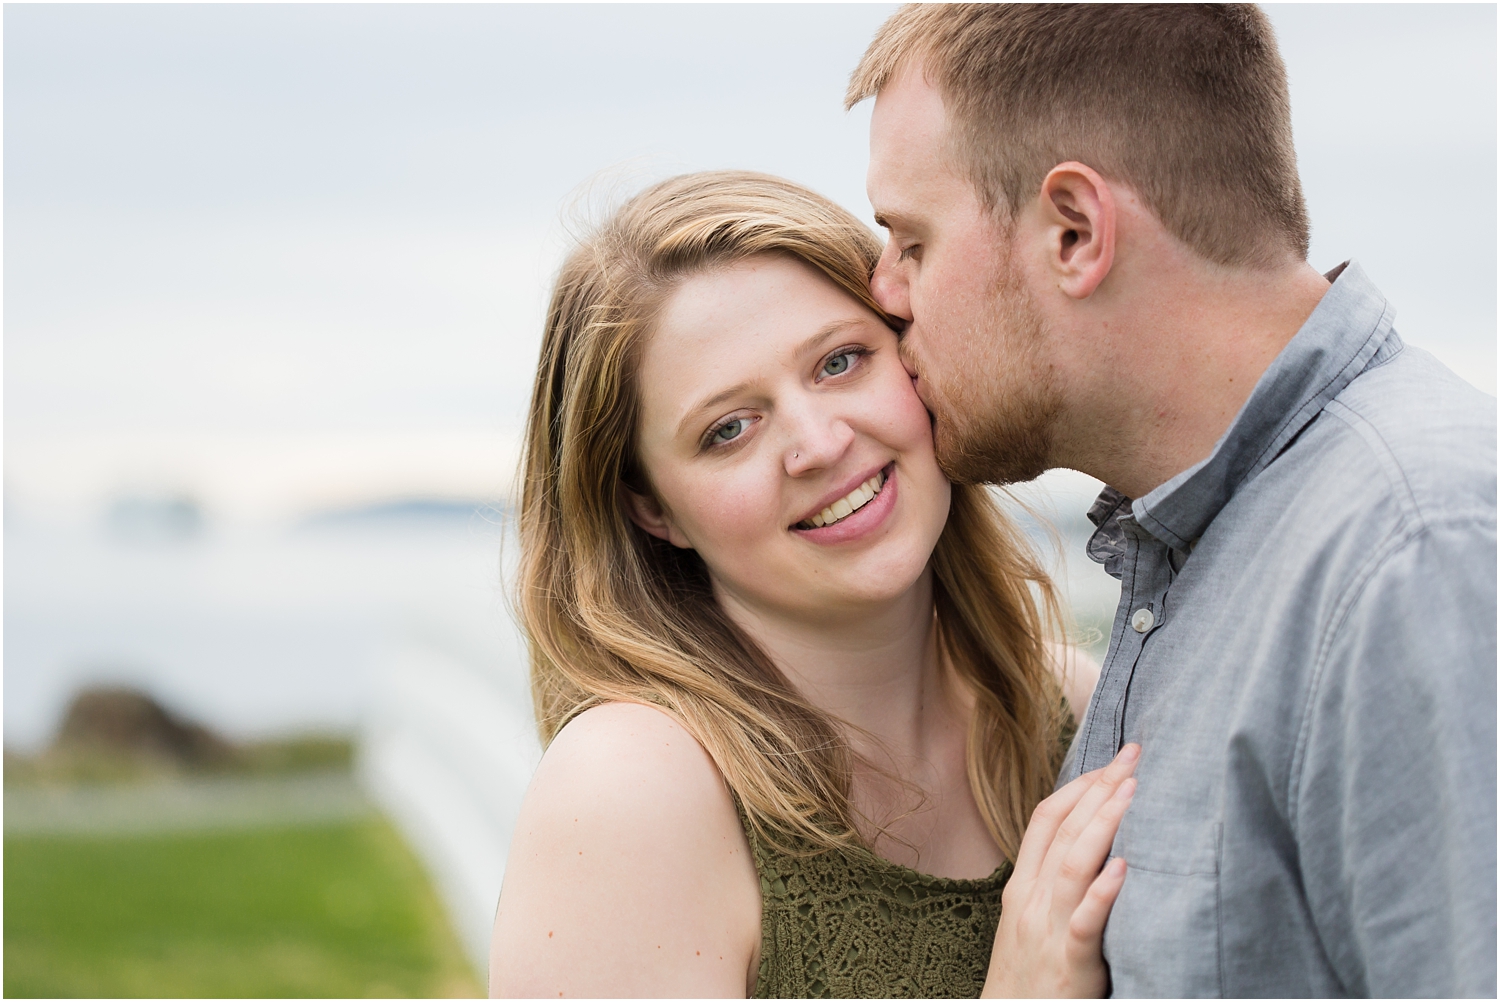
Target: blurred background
x: 274, y: 278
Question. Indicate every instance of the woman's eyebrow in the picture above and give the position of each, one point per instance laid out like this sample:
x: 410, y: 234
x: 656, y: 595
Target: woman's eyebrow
x: 713, y: 401
x: 826, y: 332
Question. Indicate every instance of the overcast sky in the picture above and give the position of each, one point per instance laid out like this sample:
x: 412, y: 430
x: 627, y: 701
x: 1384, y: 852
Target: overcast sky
x: 287, y: 255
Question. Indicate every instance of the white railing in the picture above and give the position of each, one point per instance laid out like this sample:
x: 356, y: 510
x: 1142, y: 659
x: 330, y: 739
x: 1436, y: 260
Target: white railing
x: 447, y: 748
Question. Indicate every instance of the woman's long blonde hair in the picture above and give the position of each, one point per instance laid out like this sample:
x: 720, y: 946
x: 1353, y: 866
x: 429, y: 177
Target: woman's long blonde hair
x: 614, y: 614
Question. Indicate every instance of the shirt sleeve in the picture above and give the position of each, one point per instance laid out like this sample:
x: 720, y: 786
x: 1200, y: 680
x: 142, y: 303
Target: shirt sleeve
x: 1395, y: 796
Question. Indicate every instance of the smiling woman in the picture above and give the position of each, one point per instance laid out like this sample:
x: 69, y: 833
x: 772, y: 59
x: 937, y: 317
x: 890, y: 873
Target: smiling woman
x: 798, y: 690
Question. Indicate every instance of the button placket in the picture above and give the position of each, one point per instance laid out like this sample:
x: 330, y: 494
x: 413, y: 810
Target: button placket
x: 1102, y: 725
x: 1148, y: 574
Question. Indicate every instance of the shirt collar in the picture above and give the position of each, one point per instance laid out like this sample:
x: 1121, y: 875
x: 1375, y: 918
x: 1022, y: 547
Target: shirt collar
x: 1351, y: 324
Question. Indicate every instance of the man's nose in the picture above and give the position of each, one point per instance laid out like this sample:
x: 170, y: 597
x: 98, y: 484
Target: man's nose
x: 888, y: 285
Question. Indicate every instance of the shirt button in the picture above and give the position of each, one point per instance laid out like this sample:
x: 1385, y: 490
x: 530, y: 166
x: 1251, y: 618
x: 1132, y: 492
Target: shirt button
x: 1142, y: 620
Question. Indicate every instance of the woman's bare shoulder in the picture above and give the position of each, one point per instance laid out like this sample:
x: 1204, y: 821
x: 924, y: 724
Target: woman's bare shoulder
x: 628, y: 867
x: 642, y: 746
x: 636, y: 764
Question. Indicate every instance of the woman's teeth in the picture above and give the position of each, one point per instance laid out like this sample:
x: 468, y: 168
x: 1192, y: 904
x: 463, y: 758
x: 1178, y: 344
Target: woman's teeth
x: 847, y: 505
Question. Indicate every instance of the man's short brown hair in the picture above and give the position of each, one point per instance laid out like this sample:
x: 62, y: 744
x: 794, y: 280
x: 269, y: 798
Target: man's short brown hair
x: 1185, y: 103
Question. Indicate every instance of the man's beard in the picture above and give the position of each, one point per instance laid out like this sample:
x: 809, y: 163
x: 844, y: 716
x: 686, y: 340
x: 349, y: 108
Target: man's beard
x: 993, y: 422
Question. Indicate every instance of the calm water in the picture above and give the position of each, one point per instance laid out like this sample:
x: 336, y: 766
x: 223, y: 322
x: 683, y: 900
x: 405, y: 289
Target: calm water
x: 252, y: 630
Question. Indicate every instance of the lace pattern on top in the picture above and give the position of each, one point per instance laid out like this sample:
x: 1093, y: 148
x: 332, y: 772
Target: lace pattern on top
x: 852, y: 925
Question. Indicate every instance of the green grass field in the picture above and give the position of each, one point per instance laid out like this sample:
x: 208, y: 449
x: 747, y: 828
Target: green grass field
x: 332, y: 910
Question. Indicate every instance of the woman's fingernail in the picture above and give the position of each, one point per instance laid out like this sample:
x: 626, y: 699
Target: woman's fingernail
x: 1116, y: 866
x: 1126, y: 790
x: 1130, y: 753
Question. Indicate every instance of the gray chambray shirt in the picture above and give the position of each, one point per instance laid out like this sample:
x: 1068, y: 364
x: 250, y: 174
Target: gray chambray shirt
x: 1305, y: 651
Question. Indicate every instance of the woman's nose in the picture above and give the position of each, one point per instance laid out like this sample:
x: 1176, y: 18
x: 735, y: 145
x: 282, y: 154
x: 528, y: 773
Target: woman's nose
x: 817, y: 444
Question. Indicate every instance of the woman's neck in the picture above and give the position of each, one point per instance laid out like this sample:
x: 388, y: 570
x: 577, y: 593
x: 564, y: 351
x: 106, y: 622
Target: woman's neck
x: 877, y: 670
x: 880, y: 673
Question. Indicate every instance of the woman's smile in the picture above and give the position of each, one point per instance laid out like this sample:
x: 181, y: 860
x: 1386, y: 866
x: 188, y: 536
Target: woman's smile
x: 855, y: 514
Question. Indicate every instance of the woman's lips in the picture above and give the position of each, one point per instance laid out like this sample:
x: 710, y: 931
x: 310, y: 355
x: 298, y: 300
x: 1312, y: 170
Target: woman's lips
x: 847, y: 504
x: 861, y: 522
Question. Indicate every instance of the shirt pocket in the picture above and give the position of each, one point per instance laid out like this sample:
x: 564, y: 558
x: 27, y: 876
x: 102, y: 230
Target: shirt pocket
x: 1163, y: 937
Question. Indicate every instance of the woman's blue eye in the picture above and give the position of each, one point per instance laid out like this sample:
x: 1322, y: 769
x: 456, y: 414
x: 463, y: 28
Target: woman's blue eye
x: 836, y: 365
x: 729, y: 431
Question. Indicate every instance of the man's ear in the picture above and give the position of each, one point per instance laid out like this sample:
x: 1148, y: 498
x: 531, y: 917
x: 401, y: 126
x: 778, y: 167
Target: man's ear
x: 1078, y: 210
x: 645, y: 511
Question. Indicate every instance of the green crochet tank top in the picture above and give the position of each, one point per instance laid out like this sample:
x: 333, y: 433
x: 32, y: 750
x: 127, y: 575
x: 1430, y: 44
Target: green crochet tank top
x: 852, y: 925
